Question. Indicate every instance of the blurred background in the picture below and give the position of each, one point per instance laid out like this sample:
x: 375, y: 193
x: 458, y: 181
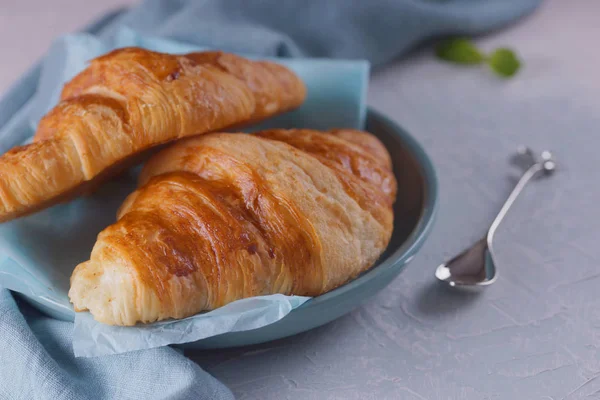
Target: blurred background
x: 27, y: 27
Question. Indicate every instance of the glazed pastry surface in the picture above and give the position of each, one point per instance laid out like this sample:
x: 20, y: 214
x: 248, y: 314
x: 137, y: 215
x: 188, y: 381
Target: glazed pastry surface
x: 128, y: 102
x: 226, y: 216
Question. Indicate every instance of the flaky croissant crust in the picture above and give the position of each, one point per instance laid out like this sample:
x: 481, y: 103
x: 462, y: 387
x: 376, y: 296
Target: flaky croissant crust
x: 129, y: 101
x: 222, y: 217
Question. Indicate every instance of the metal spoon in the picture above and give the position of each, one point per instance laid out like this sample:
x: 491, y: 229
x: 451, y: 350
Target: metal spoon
x: 476, y: 266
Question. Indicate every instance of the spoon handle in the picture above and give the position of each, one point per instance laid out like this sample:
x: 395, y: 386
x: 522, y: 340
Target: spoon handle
x: 525, y: 178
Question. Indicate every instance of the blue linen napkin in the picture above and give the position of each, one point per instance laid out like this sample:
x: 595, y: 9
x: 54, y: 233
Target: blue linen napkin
x: 37, y: 362
x: 35, y: 351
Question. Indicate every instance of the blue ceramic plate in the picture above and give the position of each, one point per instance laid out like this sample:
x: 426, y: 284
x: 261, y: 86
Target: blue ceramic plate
x: 414, y: 212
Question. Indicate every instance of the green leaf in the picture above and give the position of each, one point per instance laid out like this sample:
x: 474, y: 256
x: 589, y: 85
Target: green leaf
x: 504, y: 62
x: 459, y: 51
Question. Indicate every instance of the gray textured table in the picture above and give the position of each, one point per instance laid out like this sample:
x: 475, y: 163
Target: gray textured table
x: 535, y: 334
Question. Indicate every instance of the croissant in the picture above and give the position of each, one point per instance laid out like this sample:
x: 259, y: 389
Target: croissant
x: 226, y: 216
x: 127, y: 102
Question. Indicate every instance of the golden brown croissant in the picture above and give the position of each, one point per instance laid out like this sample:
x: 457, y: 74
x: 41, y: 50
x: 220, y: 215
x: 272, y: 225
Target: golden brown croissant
x: 222, y: 217
x: 131, y: 100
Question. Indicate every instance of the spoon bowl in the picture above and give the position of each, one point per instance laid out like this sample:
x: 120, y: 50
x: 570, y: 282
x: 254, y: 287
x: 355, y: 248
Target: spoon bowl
x: 473, y: 267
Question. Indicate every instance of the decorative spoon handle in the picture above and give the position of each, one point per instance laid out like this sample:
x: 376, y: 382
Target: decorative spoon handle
x: 546, y: 164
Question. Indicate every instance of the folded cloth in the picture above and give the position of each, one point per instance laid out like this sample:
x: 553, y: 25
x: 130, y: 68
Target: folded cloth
x: 38, y: 363
x: 376, y: 30
x: 36, y: 355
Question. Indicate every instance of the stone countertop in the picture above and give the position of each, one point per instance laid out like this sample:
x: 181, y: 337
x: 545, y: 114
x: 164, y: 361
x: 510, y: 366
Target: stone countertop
x: 535, y: 334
